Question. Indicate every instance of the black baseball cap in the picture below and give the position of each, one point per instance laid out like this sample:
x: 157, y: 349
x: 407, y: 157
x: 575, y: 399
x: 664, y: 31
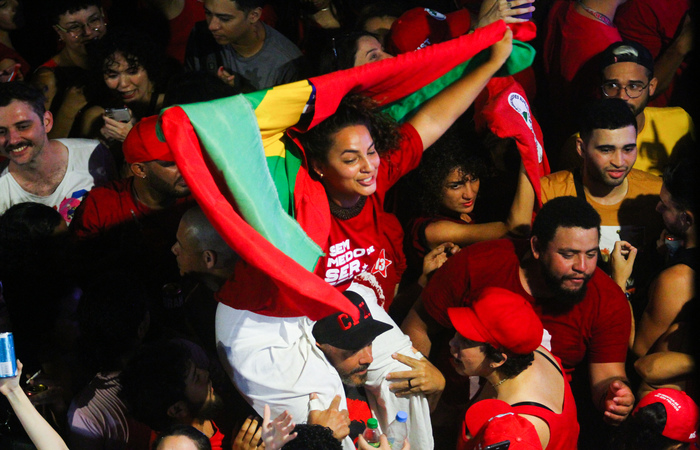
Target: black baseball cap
x: 342, y: 331
x: 627, y: 51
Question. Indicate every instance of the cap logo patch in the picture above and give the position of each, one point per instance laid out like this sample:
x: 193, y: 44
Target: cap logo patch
x: 345, y: 321
x: 435, y: 14
x: 520, y: 105
x: 626, y: 50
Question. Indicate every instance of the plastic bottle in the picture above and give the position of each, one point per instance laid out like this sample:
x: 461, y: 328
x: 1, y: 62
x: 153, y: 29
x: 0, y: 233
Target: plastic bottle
x: 398, y: 431
x: 372, y: 433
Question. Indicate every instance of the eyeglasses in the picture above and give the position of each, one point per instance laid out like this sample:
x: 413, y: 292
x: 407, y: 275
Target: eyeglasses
x: 633, y: 90
x: 76, y: 30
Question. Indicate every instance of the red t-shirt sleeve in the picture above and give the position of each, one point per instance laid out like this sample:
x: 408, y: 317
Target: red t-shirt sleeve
x: 447, y: 288
x: 638, y: 23
x: 611, y: 331
x: 398, y: 162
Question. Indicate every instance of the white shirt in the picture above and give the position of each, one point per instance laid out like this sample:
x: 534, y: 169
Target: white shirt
x: 89, y: 165
x: 275, y: 361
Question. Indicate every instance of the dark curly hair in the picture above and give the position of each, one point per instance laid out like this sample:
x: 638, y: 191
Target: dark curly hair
x: 353, y: 110
x: 514, y: 364
x: 313, y: 437
x: 137, y: 48
x: 642, y: 431
x: 445, y: 155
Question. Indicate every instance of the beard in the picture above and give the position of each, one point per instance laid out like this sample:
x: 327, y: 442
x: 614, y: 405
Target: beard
x: 352, y: 378
x: 563, y: 299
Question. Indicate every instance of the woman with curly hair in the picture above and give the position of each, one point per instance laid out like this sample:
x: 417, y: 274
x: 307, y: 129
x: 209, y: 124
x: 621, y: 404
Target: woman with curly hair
x: 358, y: 154
x: 451, y: 177
x: 498, y: 339
x: 130, y: 65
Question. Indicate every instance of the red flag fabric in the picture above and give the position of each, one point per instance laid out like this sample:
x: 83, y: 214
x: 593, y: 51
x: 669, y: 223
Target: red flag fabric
x: 504, y: 109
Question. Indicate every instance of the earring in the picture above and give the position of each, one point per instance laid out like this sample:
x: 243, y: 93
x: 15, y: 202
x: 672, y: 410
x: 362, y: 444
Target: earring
x: 320, y: 175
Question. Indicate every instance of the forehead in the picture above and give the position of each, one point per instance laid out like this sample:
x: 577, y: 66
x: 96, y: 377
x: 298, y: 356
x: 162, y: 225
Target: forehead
x: 618, y: 138
x: 79, y: 15
x: 19, y: 110
x: 177, y: 443
x: 666, y: 197
x: 367, y: 43
x: 574, y: 238
x: 625, y: 71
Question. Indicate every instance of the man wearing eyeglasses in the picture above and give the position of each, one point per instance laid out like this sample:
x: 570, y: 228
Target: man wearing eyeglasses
x: 663, y: 134
x: 628, y: 73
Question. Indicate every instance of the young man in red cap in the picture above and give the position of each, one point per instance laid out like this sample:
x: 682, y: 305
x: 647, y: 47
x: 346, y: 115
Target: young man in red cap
x: 582, y: 309
x: 498, y: 339
x: 57, y: 173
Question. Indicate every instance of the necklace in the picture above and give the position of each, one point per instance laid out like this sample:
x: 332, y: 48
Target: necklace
x: 600, y: 16
x: 499, y: 383
x: 347, y: 213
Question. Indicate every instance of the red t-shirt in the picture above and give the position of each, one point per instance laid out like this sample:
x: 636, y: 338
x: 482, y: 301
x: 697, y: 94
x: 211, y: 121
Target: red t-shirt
x: 571, y: 42
x: 372, y: 240
x: 597, y: 327
x: 654, y: 24
x: 113, y: 205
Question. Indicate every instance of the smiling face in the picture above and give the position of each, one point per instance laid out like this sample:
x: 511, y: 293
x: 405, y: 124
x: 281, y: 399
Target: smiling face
x: 369, y: 49
x: 87, y: 24
x: 227, y: 23
x: 350, y: 169
x: 23, y: 134
x: 568, y: 261
x: 129, y: 82
x: 459, y: 191
x: 469, y: 358
x: 351, y: 365
x: 609, y: 155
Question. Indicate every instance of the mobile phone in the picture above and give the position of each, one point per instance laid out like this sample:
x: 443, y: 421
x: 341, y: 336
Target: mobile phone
x: 504, y: 445
x: 119, y: 114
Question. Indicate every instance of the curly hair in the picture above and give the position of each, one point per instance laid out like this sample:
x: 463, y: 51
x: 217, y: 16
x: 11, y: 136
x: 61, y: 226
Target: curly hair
x: 444, y: 156
x: 353, y: 110
x: 137, y: 48
x: 313, y: 437
x: 514, y: 364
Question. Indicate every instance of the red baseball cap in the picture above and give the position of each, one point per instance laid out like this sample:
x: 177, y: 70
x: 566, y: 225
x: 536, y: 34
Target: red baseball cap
x: 502, y: 318
x: 492, y: 421
x: 682, y: 416
x: 421, y: 27
x: 142, y: 143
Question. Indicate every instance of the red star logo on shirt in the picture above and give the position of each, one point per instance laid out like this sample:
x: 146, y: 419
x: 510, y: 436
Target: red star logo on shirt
x: 381, y: 264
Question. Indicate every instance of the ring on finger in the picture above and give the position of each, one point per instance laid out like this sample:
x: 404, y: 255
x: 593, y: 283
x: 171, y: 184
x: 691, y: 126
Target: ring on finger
x: 409, y: 384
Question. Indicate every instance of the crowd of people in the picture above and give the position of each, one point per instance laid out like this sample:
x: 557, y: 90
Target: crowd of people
x: 247, y: 224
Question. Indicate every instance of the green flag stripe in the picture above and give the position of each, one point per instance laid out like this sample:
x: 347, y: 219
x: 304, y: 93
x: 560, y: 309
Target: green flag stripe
x: 244, y: 160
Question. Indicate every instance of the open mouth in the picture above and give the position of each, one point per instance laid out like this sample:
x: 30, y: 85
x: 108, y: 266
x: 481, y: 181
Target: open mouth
x: 367, y: 182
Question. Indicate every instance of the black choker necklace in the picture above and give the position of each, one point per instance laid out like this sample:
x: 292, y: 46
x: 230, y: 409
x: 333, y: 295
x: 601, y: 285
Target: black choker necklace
x: 347, y: 213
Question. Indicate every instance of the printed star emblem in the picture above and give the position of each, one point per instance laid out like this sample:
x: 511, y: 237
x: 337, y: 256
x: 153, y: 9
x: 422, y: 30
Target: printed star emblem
x: 381, y: 264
